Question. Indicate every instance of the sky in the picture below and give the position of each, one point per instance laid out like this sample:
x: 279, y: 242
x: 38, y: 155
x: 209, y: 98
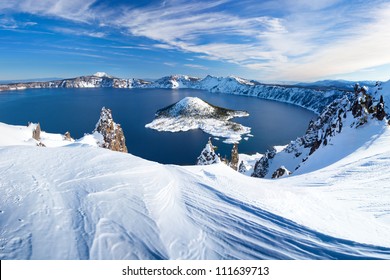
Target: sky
x: 281, y: 40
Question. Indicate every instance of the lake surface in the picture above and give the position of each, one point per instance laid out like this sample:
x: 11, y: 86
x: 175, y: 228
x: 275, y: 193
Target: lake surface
x: 78, y: 110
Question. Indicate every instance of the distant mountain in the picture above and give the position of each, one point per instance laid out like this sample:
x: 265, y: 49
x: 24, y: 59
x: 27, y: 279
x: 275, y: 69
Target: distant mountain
x: 313, y: 96
x: 5, y: 82
x: 336, y: 84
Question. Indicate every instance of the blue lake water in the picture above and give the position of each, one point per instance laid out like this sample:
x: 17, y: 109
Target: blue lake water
x: 78, y: 110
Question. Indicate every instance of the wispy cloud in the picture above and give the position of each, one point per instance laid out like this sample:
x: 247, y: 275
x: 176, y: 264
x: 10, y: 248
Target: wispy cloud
x: 196, y: 66
x: 78, y: 10
x: 10, y: 23
x: 294, y: 40
x: 171, y: 64
x: 79, y: 32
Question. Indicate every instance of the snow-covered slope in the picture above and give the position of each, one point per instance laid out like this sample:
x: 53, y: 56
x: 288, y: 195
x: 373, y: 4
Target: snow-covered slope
x: 83, y: 202
x: 337, y: 132
x: 382, y: 88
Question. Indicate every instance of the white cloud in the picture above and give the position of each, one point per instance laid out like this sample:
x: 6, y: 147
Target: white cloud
x: 10, y: 23
x: 164, y: 46
x: 196, y: 66
x: 171, y: 64
x: 308, y: 40
x: 79, y: 32
x: 367, y: 46
x: 78, y: 10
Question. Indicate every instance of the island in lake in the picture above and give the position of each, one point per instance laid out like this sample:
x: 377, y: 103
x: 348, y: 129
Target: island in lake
x: 194, y: 113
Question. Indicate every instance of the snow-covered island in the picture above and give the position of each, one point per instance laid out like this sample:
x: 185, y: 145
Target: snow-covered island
x: 194, y: 113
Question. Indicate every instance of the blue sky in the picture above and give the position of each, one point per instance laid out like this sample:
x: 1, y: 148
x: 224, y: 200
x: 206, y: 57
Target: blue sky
x: 302, y: 40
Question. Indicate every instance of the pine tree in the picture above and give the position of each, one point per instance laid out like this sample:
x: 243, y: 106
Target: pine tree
x: 242, y: 168
x: 380, y: 109
x: 208, y: 155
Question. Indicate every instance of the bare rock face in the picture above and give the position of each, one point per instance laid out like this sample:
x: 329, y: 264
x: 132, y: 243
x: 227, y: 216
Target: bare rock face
x: 36, y: 134
x: 113, y: 137
x: 235, y: 157
x: 67, y: 136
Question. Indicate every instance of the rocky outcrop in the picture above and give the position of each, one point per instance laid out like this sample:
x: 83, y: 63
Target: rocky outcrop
x: 208, y: 155
x: 281, y: 172
x: 111, y: 132
x: 36, y: 133
x: 234, y: 157
x: 67, y: 136
x: 262, y: 165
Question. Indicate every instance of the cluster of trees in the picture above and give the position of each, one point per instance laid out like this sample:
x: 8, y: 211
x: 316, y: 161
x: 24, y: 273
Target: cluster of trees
x: 209, y: 156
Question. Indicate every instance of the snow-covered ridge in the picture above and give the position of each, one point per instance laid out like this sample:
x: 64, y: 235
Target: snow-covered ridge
x: 194, y: 113
x: 307, y: 97
x: 335, y: 133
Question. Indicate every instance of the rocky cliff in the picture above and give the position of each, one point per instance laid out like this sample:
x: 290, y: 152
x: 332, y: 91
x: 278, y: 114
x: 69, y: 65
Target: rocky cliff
x: 314, y: 99
x: 351, y: 112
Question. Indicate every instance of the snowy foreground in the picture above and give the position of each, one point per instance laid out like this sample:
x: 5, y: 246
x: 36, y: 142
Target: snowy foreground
x: 73, y: 200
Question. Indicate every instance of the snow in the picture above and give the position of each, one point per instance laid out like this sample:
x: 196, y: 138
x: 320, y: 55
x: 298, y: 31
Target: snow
x: 76, y: 201
x: 101, y: 74
x: 13, y: 135
x: 384, y: 90
x: 230, y: 131
x: 193, y: 113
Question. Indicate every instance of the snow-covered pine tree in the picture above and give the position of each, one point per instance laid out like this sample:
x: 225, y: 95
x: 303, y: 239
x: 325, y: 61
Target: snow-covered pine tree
x: 242, y: 168
x: 208, y: 155
x: 380, y: 109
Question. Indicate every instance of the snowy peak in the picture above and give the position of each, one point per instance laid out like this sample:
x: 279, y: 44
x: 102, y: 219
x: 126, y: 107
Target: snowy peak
x: 197, y: 108
x: 189, y: 106
x: 102, y: 75
x: 176, y: 81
